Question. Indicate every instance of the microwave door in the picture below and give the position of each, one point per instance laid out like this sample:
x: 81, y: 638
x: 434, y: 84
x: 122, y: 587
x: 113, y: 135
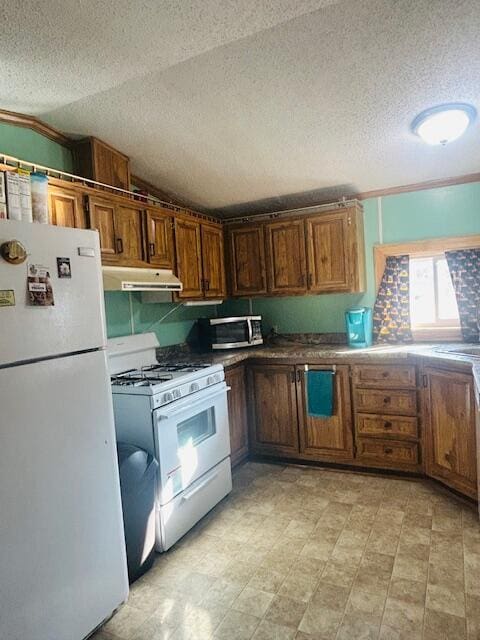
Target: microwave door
x: 231, y: 335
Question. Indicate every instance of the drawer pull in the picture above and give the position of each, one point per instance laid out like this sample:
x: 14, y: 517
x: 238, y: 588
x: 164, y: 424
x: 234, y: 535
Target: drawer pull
x: 385, y: 374
x: 387, y: 400
x: 388, y: 451
x: 387, y: 424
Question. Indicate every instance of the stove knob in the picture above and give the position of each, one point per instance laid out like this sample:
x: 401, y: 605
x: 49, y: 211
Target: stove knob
x: 194, y: 387
x: 167, y: 397
x: 210, y: 380
x: 177, y: 393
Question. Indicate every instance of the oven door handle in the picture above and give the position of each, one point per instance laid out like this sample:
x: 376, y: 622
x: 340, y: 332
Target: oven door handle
x: 189, y: 494
x: 165, y: 414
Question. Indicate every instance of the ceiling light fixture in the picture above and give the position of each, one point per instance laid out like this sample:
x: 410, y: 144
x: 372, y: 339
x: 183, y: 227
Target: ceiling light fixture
x: 444, y: 123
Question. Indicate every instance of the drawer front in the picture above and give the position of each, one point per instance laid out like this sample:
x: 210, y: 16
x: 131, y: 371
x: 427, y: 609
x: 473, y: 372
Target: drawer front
x: 387, y: 452
x: 386, y: 426
x: 386, y: 376
x: 382, y: 401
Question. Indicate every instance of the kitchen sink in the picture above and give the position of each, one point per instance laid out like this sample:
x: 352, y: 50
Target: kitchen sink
x: 473, y: 351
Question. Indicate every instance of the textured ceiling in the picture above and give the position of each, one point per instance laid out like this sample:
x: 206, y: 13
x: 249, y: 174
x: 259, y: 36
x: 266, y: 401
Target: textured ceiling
x: 226, y: 102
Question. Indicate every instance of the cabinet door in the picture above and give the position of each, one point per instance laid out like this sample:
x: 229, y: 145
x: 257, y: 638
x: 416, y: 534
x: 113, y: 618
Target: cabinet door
x: 66, y: 207
x: 328, y: 438
x: 246, y: 247
x: 328, y: 248
x: 189, y: 257
x: 286, y: 263
x: 213, y: 262
x: 128, y: 233
x: 237, y: 413
x: 110, y: 166
x: 273, y: 406
x: 102, y: 218
x: 450, y: 429
x: 159, y: 238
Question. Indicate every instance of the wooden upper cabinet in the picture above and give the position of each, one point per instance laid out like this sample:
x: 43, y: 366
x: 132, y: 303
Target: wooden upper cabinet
x: 335, y: 251
x: 188, y: 249
x: 286, y: 263
x: 128, y: 234
x: 450, y: 429
x: 213, y: 261
x: 328, y: 253
x: 330, y: 437
x: 66, y: 207
x: 246, y: 250
x: 99, y: 161
x: 273, y: 407
x: 102, y: 218
x: 159, y: 237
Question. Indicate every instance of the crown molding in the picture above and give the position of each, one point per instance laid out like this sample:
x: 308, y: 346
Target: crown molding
x: 419, y: 186
x: 31, y: 122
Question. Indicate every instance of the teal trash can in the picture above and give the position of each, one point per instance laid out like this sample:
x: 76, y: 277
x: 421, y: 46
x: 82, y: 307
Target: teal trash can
x: 359, y: 326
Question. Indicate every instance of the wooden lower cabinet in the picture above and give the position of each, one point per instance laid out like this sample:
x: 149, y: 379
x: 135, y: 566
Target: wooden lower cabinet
x: 449, y: 411
x: 279, y: 421
x: 327, y: 438
x: 237, y: 413
x: 273, y: 409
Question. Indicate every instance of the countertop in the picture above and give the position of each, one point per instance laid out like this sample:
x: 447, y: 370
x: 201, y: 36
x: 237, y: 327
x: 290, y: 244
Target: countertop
x: 297, y: 353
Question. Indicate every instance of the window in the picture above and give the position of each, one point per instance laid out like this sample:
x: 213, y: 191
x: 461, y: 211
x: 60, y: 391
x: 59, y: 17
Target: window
x: 433, y: 305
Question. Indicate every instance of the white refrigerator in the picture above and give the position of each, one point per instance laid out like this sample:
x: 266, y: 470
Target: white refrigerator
x: 62, y: 550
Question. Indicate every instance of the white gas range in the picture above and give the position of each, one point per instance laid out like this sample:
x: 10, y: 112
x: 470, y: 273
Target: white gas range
x: 179, y: 414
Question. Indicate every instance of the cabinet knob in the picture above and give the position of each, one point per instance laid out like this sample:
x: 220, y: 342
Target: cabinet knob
x: 388, y: 451
x: 387, y: 424
x: 151, y: 248
x: 119, y: 243
x: 385, y: 374
x: 387, y: 400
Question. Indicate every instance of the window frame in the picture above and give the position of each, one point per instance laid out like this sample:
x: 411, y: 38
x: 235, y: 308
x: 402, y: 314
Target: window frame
x: 425, y: 249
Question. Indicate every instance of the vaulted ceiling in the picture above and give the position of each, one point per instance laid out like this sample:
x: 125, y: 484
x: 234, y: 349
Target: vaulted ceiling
x: 227, y: 102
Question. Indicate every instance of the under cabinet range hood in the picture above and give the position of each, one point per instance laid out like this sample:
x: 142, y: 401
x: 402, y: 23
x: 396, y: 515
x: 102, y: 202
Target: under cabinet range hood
x: 130, y: 279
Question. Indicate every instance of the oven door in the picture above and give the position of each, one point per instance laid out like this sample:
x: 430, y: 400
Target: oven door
x: 191, y: 437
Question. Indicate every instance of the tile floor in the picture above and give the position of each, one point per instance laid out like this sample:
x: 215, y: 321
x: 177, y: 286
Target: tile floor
x: 310, y: 554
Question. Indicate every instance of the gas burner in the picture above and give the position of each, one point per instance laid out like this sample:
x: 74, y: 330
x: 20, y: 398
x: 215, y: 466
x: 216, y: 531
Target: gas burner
x: 183, y: 366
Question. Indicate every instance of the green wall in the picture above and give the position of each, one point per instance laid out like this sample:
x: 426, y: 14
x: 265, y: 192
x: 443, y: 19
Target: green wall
x: 175, y: 329
x: 31, y: 146
x: 442, y: 212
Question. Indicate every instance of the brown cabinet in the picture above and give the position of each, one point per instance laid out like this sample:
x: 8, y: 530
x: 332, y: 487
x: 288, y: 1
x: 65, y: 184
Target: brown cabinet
x: 450, y: 429
x: 395, y: 401
x: 385, y: 376
x: 387, y: 431
x: 273, y: 409
x: 335, y: 251
x: 286, y: 262
x: 200, y: 259
x: 120, y: 230
x: 246, y: 250
x: 329, y: 437
x: 322, y: 253
x: 99, y: 161
x: 159, y: 237
x: 237, y: 413
x: 213, y: 268
x: 66, y: 207
x: 188, y: 250
x: 101, y: 213
x: 128, y: 234
x: 279, y: 420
